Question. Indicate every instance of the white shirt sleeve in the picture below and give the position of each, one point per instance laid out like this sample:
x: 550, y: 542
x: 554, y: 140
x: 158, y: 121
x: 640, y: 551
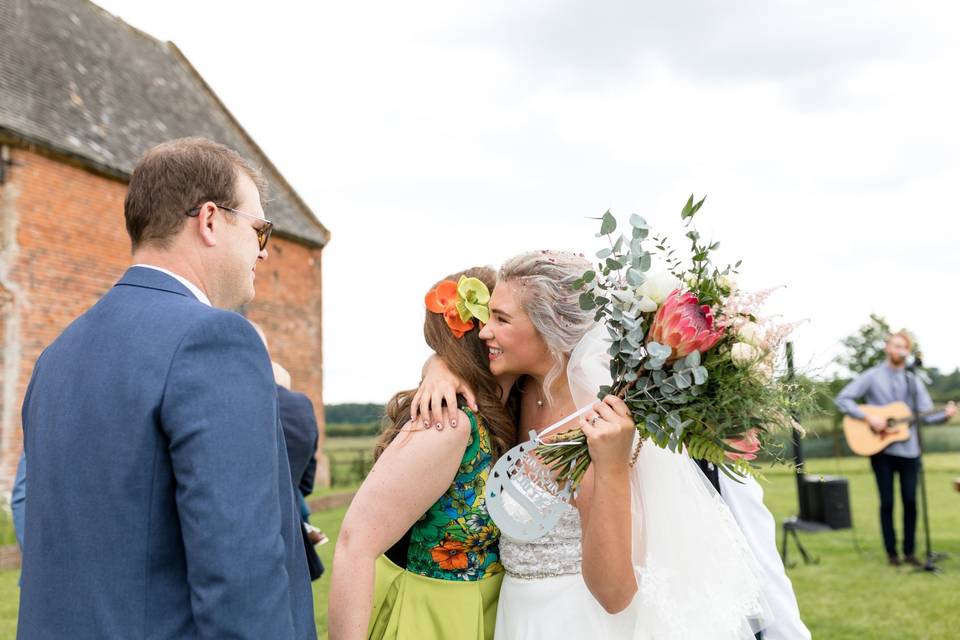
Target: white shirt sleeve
x: 760, y: 529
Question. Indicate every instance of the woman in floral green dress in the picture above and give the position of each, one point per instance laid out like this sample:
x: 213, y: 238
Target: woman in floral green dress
x: 418, y: 555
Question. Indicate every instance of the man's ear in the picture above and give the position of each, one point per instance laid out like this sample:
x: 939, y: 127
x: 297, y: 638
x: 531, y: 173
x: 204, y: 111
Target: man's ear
x: 208, y: 223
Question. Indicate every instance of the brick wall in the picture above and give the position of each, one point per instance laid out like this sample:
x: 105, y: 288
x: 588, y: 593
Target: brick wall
x: 63, y: 244
x: 288, y: 309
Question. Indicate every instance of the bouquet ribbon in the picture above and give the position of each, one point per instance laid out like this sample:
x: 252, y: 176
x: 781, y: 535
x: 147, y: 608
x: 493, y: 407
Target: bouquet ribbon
x: 556, y: 425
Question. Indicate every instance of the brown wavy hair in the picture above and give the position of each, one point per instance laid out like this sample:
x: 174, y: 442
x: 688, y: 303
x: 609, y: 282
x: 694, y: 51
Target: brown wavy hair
x: 468, y: 358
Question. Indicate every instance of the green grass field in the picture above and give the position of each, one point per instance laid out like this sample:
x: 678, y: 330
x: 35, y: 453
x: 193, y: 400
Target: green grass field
x: 7, y: 533
x: 328, y: 521
x: 850, y: 594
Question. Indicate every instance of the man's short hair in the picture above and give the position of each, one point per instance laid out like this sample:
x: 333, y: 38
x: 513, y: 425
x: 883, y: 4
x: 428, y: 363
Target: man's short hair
x: 176, y: 176
x: 903, y: 333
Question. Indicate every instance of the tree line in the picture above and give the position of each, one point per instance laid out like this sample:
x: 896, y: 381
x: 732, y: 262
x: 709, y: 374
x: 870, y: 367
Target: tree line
x: 861, y: 350
x: 353, y: 413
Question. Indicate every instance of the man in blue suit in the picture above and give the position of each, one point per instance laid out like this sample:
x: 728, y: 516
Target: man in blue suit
x: 161, y: 504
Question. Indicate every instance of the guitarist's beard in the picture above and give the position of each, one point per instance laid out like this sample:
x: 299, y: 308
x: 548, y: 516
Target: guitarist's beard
x: 897, y: 358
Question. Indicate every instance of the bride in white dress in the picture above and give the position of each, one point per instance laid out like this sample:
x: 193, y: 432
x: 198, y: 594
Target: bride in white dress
x: 648, y: 551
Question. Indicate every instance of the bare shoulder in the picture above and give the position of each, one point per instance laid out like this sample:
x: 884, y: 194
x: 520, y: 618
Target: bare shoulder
x: 463, y: 420
x: 462, y: 430
x: 461, y: 433
x: 413, y: 436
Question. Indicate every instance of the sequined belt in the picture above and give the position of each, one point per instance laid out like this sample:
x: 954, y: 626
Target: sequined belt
x: 535, y: 562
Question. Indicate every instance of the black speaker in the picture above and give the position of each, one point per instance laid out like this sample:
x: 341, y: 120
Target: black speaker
x: 826, y: 499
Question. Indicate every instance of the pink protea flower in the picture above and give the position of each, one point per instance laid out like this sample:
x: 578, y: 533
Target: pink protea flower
x: 746, y: 445
x: 684, y: 325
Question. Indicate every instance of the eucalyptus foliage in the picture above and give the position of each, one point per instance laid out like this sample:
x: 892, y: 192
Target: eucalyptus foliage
x: 697, y: 402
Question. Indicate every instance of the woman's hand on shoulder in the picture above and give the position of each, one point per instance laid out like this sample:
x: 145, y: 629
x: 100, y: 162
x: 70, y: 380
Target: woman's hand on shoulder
x: 429, y: 438
x: 437, y: 395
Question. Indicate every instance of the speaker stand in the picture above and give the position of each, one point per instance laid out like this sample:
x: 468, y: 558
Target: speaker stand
x: 791, y: 527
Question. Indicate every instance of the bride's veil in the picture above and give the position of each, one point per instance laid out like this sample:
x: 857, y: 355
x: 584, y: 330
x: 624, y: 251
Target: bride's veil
x: 696, y: 576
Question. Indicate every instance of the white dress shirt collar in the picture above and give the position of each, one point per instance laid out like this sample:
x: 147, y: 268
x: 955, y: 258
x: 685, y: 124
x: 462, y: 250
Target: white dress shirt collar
x: 194, y: 289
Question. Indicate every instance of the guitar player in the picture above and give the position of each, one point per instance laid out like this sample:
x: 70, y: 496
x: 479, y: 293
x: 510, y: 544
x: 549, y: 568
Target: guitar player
x: 885, y: 383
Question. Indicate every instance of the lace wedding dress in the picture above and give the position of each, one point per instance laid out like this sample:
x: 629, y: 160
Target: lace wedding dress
x: 543, y: 595
x: 696, y: 576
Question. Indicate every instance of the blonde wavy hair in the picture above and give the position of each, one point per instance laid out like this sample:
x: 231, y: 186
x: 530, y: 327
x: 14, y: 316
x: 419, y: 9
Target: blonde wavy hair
x: 545, y: 290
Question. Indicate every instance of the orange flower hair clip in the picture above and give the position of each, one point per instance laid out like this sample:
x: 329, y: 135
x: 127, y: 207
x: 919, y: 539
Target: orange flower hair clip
x: 460, y: 302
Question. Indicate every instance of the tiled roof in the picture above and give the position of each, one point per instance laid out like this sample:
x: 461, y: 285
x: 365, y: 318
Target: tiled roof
x: 81, y: 82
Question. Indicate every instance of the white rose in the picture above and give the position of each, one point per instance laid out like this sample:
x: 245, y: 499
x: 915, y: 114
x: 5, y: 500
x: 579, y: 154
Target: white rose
x: 752, y: 333
x: 646, y: 305
x: 743, y: 354
x: 656, y: 288
x: 727, y: 283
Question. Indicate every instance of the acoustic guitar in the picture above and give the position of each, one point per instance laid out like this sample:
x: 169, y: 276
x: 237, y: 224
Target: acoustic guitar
x: 864, y: 441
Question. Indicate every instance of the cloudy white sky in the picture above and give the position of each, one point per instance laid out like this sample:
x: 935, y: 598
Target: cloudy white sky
x: 433, y: 136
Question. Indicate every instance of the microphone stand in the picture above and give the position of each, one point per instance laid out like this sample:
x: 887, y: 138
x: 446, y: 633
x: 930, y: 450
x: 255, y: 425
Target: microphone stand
x: 913, y: 382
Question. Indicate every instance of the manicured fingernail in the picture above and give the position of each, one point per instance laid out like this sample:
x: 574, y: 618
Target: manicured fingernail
x: 453, y: 423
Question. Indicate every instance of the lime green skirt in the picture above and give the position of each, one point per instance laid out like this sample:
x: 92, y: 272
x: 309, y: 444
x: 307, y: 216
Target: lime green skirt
x: 408, y: 606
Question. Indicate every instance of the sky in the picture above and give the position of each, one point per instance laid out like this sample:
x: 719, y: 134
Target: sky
x: 433, y: 136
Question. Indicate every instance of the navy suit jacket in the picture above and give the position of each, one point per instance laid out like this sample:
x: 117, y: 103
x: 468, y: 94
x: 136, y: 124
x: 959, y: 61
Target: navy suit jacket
x: 160, y: 503
x: 300, y: 432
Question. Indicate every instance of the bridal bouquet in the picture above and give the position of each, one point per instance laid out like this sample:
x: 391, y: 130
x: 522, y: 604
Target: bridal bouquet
x: 690, y: 353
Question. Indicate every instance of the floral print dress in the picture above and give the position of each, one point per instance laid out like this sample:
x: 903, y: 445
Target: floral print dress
x: 442, y: 579
x: 456, y: 539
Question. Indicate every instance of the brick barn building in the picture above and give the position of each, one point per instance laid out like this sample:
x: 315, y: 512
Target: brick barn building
x: 82, y: 96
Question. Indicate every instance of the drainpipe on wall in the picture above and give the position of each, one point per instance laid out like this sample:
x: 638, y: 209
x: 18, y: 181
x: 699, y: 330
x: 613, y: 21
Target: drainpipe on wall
x: 11, y: 313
